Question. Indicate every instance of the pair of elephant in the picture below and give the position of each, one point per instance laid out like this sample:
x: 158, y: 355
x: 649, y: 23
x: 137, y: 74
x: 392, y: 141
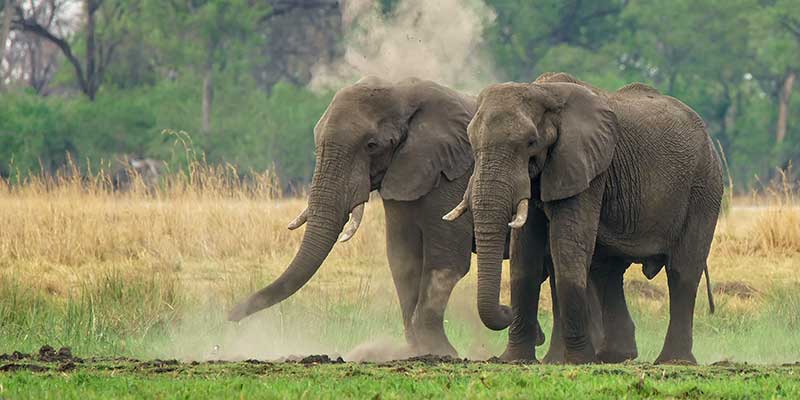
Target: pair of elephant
x: 590, y: 181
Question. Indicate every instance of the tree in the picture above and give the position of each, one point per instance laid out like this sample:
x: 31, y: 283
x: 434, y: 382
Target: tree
x: 5, y: 28
x: 526, y: 30
x: 787, y: 16
x: 31, y: 59
x: 99, y: 35
x: 209, y: 35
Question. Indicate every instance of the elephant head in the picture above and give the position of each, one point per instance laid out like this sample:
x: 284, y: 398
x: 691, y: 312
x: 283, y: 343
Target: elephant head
x: 554, y: 137
x: 397, y: 138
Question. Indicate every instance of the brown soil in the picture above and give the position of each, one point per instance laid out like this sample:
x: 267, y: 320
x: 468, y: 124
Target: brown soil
x: 14, y: 367
x: 49, y: 360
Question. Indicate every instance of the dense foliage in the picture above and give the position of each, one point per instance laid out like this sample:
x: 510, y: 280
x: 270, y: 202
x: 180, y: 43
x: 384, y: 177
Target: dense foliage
x: 196, y: 67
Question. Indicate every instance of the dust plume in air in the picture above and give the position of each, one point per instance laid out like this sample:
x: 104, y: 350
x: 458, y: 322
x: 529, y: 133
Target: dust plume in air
x: 438, y: 40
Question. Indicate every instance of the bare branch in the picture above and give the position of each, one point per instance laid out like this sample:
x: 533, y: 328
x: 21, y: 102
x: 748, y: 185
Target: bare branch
x: 32, y: 26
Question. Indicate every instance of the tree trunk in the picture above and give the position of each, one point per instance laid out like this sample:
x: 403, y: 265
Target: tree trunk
x: 208, y: 97
x: 5, y: 28
x: 783, y: 106
x: 91, y: 77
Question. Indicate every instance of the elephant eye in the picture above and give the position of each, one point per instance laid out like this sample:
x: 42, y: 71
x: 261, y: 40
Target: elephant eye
x: 531, y: 142
x: 372, y: 144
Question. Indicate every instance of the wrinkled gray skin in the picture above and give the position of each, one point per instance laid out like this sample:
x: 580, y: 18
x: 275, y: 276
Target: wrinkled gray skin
x: 409, y: 141
x: 613, y: 179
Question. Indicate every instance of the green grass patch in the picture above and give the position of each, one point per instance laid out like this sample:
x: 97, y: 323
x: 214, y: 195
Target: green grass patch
x: 396, y: 380
x: 152, y: 317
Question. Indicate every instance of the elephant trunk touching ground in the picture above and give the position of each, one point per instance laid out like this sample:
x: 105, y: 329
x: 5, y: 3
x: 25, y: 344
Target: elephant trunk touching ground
x: 498, y: 181
x: 328, y: 208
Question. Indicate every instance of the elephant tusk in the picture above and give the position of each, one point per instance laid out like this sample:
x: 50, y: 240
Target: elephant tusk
x: 352, y: 226
x: 521, y: 216
x: 456, y: 212
x: 299, y: 220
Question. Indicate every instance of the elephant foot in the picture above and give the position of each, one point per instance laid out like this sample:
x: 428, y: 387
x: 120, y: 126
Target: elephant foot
x: 586, y: 355
x: 613, y: 357
x: 519, y: 353
x: 435, y: 347
x: 676, y: 358
x: 617, y: 350
x: 555, y: 354
x: 555, y: 359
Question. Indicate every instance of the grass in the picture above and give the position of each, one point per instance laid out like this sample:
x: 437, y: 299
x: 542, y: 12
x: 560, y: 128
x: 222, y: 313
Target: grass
x: 135, y: 379
x: 151, y: 273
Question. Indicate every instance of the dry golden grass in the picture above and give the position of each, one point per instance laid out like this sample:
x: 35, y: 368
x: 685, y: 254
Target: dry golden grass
x: 215, y: 234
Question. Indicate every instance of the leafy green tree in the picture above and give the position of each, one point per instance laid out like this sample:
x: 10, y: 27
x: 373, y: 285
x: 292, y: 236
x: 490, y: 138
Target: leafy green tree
x: 525, y: 31
x: 209, y: 36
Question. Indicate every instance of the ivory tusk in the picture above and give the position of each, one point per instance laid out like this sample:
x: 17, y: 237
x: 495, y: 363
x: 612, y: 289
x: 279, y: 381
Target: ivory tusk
x: 299, y: 220
x: 521, y: 216
x: 352, y: 225
x: 456, y: 212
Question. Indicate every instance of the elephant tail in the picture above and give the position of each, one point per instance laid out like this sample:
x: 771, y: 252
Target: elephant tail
x: 708, y: 291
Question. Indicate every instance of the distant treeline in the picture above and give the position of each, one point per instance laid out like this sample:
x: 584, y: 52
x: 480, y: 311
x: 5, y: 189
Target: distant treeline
x: 99, y: 80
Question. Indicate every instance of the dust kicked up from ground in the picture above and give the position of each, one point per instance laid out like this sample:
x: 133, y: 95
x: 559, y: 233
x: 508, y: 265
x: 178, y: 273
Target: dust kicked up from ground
x: 436, y: 40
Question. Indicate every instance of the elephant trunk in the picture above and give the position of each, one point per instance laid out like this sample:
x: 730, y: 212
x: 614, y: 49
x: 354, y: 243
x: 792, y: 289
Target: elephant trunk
x: 500, y: 183
x: 327, y: 213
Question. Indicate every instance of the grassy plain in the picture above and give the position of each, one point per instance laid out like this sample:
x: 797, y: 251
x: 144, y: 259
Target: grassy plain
x: 150, y: 275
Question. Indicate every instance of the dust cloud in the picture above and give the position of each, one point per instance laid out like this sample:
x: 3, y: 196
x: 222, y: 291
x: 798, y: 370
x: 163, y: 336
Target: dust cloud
x: 438, y: 40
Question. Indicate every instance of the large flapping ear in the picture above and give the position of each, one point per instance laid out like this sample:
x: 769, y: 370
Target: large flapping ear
x: 436, y: 143
x: 586, y: 140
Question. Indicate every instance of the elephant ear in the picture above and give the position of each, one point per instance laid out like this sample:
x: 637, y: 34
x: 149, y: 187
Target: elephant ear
x: 436, y: 143
x: 585, y: 144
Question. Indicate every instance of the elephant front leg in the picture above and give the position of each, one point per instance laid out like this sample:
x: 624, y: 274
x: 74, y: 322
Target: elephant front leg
x: 446, y: 254
x: 573, y: 231
x: 428, y: 319
x: 527, y: 273
x: 404, y: 250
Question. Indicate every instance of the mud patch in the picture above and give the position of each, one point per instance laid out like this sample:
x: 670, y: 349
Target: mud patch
x: 644, y: 289
x: 15, y: 367
x: 736, y: 289
x: 431, y: 359
x: 66, y: 367
x: 64, y: 354
x: 15, y: 356
x: 321, y: 359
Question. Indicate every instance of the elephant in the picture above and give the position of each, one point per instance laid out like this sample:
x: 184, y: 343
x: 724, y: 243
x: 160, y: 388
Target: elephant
x: 597, y: 181
x: 407, y: 140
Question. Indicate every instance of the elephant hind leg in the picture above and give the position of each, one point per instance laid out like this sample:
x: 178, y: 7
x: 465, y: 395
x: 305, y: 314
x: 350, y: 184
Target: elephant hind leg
x: 683, y: 278
x: 619, y: 331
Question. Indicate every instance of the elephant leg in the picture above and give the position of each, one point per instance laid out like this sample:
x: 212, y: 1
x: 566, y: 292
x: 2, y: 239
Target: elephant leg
x: 556, y: 352
x: 684, y: 270
x: 446, y: 254
x: 527, y: 270
x: 619, y: 331
x: 595, y: 291
x: 682, y: 280
x: 442, y: 269
x: 404, y: 250
x: 572, y: 235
